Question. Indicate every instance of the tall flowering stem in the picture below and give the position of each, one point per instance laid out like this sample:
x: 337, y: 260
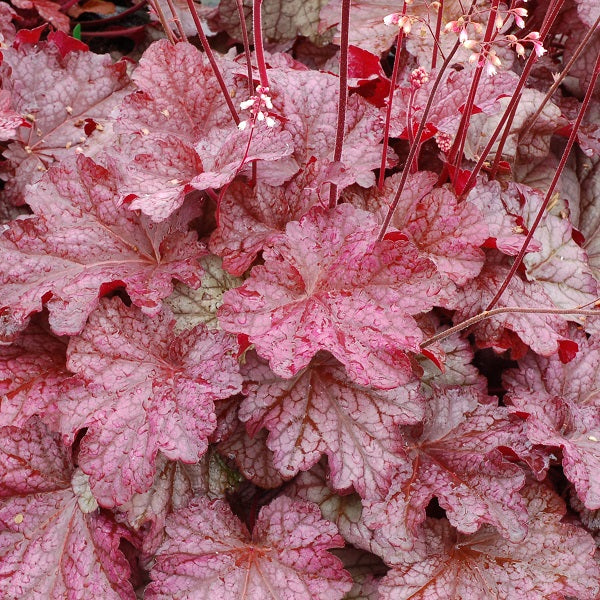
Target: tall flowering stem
x: 506, y: 119
x: 390, y: 99
x: 177, y: 21
x: 213, y: 62
x: 258, y: 44
x: 416, y: 144
x: 342, y: 96
x: 557, y: 174
x: 461, y: 136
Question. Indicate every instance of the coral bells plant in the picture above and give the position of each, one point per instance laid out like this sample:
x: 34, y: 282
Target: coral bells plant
x: 299, y: 300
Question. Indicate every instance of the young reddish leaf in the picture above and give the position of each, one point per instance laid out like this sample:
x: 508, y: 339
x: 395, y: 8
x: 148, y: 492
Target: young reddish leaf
x: 32, y: 370
x: 55, y: 543
x: 555, y: 560
x: 210, y: 554
x: 320, y: 411
x: 543, y: 333
x: 147, y: 390
x: 562, y: 409
x: 453, y: 456
x: 55, y: 95
x: 329, y: 285
x: 191, y: 307
x: 78, y: 240
x: 48, y: 10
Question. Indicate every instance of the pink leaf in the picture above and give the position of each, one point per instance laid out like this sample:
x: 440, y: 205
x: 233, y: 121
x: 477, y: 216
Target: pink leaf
x: 453, y: 456
x: 55, y: 544
x: 55, y: 95
x: 329, y: 285
x: 32, y: 370
x: 503, y: 215
x: 563, y: 410
x: 10, y: 120
x: 147, y: 390
x: 209, y: 553
x: 543, y: 333
x: 78, y: 241
x: 251, y: 218
x: 320, y: 411
x: 447, y: 232
x: 554, y: 561
x: 307, y: 100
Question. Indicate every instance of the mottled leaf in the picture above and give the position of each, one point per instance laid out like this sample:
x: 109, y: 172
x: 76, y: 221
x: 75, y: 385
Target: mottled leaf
x: 147, y: 390
x: 555, y: 560
x: 54, y: 542
x: 329, y: 285
x: 209, y: 553
x: 78, y: 242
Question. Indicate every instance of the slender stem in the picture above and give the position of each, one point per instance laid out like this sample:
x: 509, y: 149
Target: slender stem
x: 561, y: 76
x: 390, y: 99
x: 112, y: 33
x: 342, y: 96
x: 557, y: 174
x: 510, y: 116
x: 258, y: 43
x: 487, y: 314
x: 505, y: 121
x: 246, y: 42
x: 213, y: 62
x: 416, y: 145
x: 113, y: 18
x: 177, y: 21
x: 438, y: 29
x: 456, y: 152
x: 163, y: 21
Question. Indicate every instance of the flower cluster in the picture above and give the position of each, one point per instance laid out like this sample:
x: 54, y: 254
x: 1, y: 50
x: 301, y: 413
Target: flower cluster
x: 259, y: 104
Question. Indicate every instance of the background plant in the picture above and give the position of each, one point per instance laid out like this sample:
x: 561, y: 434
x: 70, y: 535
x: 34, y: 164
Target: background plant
x: 298, y: 299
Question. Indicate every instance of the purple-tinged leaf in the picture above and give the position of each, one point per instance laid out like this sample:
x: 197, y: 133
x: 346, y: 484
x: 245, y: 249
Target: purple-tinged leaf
x: 320, y: 411
x: 60, y: 97
x: 545, y: 334
x: 55, y: 543
x: 560, y: 402
x: 453, y: 456
x: 329, y: 285
x: 555, y: 560
x: 210, y: 553
x: 147, y: 391
x: 79, y: 242
x: 32, y: 370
